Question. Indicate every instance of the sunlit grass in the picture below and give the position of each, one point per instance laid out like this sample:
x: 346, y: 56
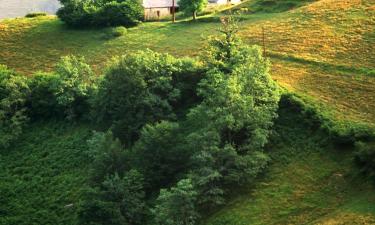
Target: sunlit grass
x: 324, y: 49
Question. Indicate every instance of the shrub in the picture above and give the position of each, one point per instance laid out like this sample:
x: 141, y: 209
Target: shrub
x: 14, y: 92
x: 365, y: 158
x: 128, y: 13
x: 35, y: 14
x: 42, y: 102
x: 119, y: 31
x: 340, y: 132
x: 114, y: 32
x: 85, y: 13
x: 118, y: 201
x: 108, y: 157
x: 74, y: 86
x: 159, y: 156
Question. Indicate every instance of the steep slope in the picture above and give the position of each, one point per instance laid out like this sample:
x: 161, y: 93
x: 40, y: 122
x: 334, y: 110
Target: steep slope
x: 310, y: 181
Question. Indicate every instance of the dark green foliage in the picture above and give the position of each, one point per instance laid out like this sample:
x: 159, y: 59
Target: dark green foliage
x: 344, y: 133
x: 13, y: 95
x: 35, y: 14
x: 159, y: 154
x: 365, y: 158
x: 138, y: 89
x: 74, y: 86
x: 176, y: 206
x: 108, y: 157
x: 84, y: 13
x: 117, y: 201
x: 43, y: 175
x: 42, y: 102
x: 127, y: 13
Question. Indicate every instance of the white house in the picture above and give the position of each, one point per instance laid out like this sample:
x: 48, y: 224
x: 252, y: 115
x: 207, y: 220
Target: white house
x: 223, y: 2
x: 156, y: 9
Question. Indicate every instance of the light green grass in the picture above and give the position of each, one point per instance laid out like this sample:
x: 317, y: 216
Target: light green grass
x: 309, y: 182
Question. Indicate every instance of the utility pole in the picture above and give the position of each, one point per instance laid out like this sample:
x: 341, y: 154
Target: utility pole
x: 264, y: 43
x: 173, y: 11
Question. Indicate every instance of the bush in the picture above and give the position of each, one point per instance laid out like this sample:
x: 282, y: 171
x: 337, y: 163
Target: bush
x: 114, y: 32
x: 177, y: 205
x: 365, y: 158
x: 119, y: 31
x: 128, y: 13
x: 159, y: 156
x: 42, y: 102
x: 74, y: 86
x: 14, y: 92
x: 118, y: 201
x: 35, y: 14
x: 85, y: 13
x: 318, y: 118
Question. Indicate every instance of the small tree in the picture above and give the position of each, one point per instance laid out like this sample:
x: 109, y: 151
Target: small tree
x: 192, y: 6
x: 177, y: 205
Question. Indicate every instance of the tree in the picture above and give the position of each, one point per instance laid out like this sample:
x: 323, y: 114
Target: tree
x: 231, y: 126
x: 137, y: 89
x: 177, y: 205
x: 192, y: 6
x: 14, y: 92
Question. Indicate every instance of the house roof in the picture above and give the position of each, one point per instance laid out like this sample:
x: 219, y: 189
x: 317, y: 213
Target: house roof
x: 158, y: 3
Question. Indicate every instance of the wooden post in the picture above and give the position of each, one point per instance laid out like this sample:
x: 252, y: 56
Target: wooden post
x: 174, y: 11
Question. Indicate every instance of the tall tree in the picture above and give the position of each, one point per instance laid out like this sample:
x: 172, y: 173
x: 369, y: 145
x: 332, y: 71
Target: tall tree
x: 192, y: 6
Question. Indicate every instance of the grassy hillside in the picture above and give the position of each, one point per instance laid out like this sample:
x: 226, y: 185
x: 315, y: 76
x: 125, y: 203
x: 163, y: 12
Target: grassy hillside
x: 309, y: 182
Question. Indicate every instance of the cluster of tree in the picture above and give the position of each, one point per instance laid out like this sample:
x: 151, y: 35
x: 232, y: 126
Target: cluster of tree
x: 88, y: 13
x: 181, y: 131
x: 177, y: 133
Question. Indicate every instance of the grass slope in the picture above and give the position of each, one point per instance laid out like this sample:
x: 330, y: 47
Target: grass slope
x: 309, y: 182
x: 43, y: 174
